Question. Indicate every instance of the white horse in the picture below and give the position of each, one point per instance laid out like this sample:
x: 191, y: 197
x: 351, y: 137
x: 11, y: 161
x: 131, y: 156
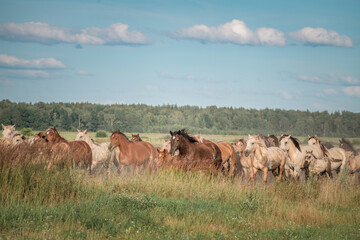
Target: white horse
x: 100, y: 151
x: 336, y: 155
x: 9, y: 131
x: 265, y: 158
x: 297, y: 161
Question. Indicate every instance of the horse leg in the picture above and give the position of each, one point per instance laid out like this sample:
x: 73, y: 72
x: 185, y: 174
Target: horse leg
x: 252, y: 174
x: 281, y: 169
x: 266, y: 171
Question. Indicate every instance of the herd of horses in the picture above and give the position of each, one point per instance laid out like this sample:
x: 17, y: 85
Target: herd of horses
x: 283, y: 156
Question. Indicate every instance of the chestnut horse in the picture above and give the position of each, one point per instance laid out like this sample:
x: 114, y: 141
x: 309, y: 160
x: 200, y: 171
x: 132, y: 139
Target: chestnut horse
x: 132, y: 153
x: 135, y: 138
x: 204, y: 156
x: 78, y: 151
x: 228, y: 154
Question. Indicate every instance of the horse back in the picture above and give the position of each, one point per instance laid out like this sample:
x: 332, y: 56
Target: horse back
x: 81, y: 152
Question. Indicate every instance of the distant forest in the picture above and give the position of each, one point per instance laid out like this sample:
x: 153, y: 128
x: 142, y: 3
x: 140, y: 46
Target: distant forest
x: 160, y: 119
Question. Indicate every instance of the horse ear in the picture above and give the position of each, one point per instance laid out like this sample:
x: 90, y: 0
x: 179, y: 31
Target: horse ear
x: 78, y: 130
x: 112, y: 131
x: 275, y: 135
x: 3, y: 126
x: 158, y: 150
x: 316, y: 135
x: 171, y: 133
x: 54, y: 128
x: 268, y: 134
x: 85, y: 131
x: 340, y: 141
x: 12, y: 127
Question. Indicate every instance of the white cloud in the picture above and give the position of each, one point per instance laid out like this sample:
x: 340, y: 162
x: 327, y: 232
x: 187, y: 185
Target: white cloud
x: 41, y: 63
x: 40, y: 32
x: 336, y: 79
x: 353, y: 91
x: 286, y: 95
x: 235, y: 32
x: 20, y: 73
x: 321, y: 37
x: 326, y: 92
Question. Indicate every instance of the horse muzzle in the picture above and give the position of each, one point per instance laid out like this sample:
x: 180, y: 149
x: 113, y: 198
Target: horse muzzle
x: 247, y: 153
x: 111, y: 147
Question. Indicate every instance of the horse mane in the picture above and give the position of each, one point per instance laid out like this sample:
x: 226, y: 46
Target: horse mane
x: 118, y: 131
x: 343, y: 140
x: 322, y: 147
x: 94, y: 142
x: 183, y: 133
x: 262, y: 144
x: 294, y: 140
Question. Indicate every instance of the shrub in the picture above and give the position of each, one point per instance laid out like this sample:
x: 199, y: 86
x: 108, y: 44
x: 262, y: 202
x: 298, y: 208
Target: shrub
x: 26, y: 131
x: 101, y: 134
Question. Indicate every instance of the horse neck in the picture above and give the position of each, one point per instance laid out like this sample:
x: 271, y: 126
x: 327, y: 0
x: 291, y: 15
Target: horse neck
x: 59, y: 139
x: 89, y: 141
x: 123, y: 143
x: 185, y: 147
x: 293, y: 151
x: 260, y: 151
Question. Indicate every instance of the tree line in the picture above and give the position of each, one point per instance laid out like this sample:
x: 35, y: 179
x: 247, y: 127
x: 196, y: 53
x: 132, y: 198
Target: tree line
x: 161, y: 119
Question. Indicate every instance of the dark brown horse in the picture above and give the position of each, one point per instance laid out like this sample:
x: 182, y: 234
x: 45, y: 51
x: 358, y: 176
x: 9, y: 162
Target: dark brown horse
x: 202, y: 156
x: 347, y: 146
x: 133, y: 153
x: 135, y: 138
x: 78, y: 151
x: 272, y: 140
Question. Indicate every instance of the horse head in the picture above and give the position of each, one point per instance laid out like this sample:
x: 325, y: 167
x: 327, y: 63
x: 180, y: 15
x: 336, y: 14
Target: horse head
x: 251, y: 144
x: 9, y: 131
x: 136, y: 138
x: 82, y: 134
x: 52, y: 134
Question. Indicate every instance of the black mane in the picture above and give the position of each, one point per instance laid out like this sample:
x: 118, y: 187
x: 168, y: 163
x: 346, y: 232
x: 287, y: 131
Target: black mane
x: 294, y: 140
x: 183, y: 133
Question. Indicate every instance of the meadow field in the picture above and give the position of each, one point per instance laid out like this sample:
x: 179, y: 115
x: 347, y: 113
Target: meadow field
x: 170, y: 204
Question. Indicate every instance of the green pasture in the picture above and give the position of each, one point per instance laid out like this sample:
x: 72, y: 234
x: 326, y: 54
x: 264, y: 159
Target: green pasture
x: 37, y: 203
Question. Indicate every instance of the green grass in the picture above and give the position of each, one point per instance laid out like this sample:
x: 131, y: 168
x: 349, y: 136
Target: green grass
x: 169, y: 204
x: 66, y: 203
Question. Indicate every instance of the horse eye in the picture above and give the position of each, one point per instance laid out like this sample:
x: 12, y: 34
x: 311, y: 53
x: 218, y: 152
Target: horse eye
x: 285, y: 143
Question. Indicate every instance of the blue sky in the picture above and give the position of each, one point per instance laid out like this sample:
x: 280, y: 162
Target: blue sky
x: 253, y: 54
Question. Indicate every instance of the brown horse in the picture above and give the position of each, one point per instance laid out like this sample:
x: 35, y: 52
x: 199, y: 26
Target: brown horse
x: 228, y: 154
x: 272, y: 140
x: 346, y: 145
x: 78, y: 151
x: 135, y: 138
x: 204, y: 156
x: 132, y: 153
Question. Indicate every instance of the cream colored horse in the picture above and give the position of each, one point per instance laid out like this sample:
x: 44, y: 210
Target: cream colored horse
x: 265, y: 159
x: 9, y: 131
x: 100, y: 151
x: 336, y: 155
x: 297, y: 161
